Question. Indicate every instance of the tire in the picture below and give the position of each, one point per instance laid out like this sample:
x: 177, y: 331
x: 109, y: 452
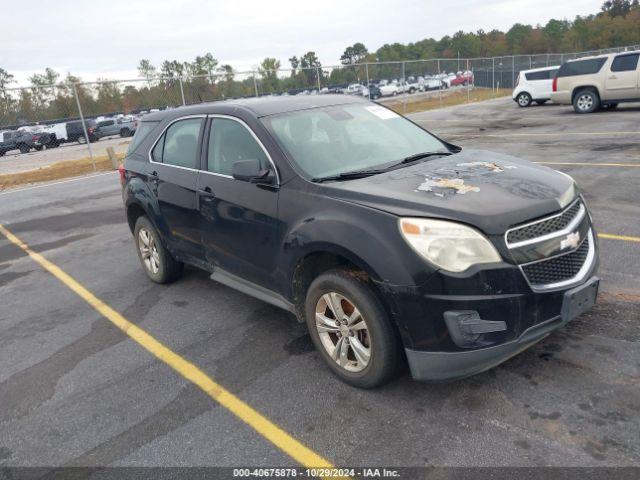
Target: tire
x: 586, y: 100
x: 38, y: 148
x: 156, y: 261
x: 125, y: 132
x: 412, y: 90
x: 2, y: 153
x: 373, y: 328
x: 523, y: 99
x: 24, y: 148
x: 394, y: 93
x: 81, y: 140
x: 541, y: 102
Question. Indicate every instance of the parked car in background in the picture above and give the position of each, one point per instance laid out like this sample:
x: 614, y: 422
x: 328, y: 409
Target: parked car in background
x: 260, y: 195
x: 462, y: 78
x: 447, y: 78
x: 430, y: 83
x: 75, y: 132
x: 374, y: 92
x: 534, y: 85
x: 390, y: 89
x: 601, y: 81
x: 354, y: 89
x: 15, y: 140
x: 41, y: 137
x: 123, y: 126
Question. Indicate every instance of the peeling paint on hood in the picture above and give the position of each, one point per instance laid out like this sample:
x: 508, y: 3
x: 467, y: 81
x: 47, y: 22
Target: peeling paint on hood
x: 445, y: 186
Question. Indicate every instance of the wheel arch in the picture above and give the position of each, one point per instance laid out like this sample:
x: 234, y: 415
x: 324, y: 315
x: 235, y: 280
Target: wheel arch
x: 320, y: 258
x: 575, y: 90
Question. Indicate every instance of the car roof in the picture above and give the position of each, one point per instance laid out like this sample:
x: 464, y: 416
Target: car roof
x: 541, y: 69
x: 259, y: 107
x: 604, y: 55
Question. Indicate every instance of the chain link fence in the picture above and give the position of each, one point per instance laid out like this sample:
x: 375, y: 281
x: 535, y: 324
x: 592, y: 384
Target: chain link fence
x: 66, y: 113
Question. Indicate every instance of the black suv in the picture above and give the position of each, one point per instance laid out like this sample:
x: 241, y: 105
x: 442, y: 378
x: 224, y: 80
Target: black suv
x: 387, y: 241
x: 15, y: 140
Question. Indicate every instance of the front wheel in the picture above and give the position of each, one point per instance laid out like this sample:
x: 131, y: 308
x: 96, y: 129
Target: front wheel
x: 24, y: 148
x: 38, y: 148
x: 125, y: 132
x: 351, y: 329
x: 523, y: 99
x: 158, y: 263
x: 586, y: 101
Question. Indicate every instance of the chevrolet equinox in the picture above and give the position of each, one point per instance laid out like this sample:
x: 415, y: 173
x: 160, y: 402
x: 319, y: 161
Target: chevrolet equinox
x: 391, y: 244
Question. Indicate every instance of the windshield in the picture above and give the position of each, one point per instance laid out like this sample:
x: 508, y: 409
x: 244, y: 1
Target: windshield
x: 333, y: 140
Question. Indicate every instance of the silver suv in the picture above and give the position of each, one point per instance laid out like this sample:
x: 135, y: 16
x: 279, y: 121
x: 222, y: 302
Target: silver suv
x: 593, y: 82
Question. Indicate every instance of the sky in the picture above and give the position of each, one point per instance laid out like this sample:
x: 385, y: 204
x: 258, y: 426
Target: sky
x: 107, y: 39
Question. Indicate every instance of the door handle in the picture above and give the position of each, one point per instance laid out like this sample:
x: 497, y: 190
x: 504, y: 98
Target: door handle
x: 612, y: 77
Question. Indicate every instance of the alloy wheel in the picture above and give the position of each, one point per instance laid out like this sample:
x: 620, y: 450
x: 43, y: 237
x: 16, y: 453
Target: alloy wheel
x: 343, y: 332
x: 523, y: 100
x: 585, y: 102
x: 148, y: 251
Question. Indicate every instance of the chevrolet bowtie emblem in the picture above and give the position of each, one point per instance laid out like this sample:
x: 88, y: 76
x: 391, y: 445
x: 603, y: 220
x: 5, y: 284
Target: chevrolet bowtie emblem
x: 570, y: 241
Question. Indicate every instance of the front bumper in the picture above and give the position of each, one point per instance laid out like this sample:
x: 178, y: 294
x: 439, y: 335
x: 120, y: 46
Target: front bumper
x: 450, y: 365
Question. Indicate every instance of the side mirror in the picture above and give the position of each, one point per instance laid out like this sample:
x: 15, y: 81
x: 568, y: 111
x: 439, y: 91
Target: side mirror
x: 250, y: 171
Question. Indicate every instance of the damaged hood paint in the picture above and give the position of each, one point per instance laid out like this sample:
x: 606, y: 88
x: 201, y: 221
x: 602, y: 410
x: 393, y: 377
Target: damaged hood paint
x: 489, y: 190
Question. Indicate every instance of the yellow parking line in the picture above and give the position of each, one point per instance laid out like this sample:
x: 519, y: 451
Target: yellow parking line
x: 587, y: 164
x: 625, y: 238
x: 269, y: 430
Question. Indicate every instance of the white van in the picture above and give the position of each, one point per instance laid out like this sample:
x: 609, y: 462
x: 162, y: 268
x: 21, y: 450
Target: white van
x: 534, y: 86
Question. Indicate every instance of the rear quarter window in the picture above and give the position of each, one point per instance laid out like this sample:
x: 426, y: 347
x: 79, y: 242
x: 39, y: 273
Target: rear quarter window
x: 543, y: 75
x: 142, y: 132
x: 581, y: 67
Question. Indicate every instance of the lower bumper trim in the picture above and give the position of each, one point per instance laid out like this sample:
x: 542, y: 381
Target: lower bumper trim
x: 444, y: 366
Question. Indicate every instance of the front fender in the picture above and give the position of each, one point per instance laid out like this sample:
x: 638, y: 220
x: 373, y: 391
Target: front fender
x: 366, y: 237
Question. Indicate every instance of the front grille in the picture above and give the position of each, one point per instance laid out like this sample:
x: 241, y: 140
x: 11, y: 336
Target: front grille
x: 557, y: 269
x: 545, y: 226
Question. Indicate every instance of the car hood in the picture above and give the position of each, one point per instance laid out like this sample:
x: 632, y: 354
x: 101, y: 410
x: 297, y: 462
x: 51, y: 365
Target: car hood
x: 488, y: 190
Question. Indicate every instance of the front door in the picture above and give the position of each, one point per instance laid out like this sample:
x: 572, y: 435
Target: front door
x: 173, y: 174
x: 622, y: 80
x: 239, y: 225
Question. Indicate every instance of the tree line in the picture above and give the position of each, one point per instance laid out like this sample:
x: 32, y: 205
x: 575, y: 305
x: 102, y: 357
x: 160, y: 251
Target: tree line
x: 51, y: 96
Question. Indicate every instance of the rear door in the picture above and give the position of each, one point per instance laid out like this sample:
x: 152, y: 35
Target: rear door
x: 172, y: 177
x: 622, y: 79
x: 239, y: 226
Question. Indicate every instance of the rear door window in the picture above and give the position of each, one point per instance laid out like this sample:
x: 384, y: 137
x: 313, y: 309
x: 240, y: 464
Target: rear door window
x: 581, y: 67
x: 181, y: 143
x: 625, y: 63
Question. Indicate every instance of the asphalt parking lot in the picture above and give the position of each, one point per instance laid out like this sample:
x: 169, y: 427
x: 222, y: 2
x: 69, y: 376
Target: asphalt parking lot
x: 76, y: 390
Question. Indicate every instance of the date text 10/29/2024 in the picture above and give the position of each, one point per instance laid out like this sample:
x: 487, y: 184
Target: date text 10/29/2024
x: 316, y: 473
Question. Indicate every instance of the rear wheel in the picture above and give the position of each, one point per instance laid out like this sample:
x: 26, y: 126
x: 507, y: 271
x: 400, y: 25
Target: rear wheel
x: 586, y: 101
x: 24, y: 148
x: 523, y: 99
x: 81, y: 139
x: 351, y: 329
x: 157, y: 262
x: 125, y: 132
x: 38, y: 148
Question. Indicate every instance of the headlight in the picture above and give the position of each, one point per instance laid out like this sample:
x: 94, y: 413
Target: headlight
x: 451, y: 246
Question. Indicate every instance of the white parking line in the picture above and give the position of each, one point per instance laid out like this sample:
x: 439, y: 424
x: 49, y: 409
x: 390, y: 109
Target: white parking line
x: 75, y: 179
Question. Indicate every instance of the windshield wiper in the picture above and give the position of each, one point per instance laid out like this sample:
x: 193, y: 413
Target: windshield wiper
x: 349, y: 175
x: 420, y: 156
x: 367, y: 173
